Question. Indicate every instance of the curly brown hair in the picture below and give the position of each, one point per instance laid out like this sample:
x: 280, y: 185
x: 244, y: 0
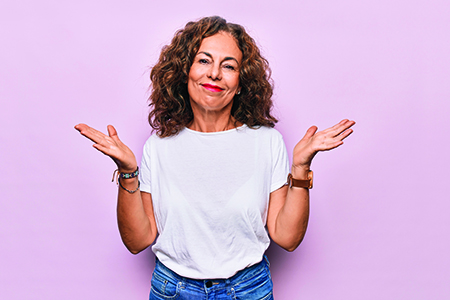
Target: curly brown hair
x: 171, y: 109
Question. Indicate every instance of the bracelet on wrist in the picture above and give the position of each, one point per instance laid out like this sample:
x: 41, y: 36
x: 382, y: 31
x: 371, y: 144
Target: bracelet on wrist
x: 121, y: 175
x: 131, y: 192
x: 117, y: 174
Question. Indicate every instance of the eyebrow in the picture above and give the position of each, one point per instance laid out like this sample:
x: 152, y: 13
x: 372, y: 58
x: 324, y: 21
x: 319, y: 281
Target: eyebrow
x: 225, y: 59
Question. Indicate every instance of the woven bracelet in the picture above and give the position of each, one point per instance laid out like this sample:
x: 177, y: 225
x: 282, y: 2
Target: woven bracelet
x: 118, y: 175
x: 129, y: 175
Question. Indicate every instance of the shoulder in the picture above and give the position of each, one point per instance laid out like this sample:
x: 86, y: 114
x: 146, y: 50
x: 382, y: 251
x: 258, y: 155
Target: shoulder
x: 267, y: 137
x: 154, y: 139
x: 151, y: 140
x: 265, y: 131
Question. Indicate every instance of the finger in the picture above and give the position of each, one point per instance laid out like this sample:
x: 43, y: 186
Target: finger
x: 334, y: 145
x: 96, y: 136
x: 333, y: 130
x: 335, y: 142
x: 345, y: 134
x: 330, y: 146
x: 83, y: 127
x: 310, y: 132
x: 338, y: 124
x: 88, y: 132
x: 112, y: 131
x: 80, y: 126
x: 113, y: 134
x: 91, y: 133
x: 341, y: 127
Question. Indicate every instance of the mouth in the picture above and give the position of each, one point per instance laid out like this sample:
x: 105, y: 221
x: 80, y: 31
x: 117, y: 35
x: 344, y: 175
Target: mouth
x: 212, y: 88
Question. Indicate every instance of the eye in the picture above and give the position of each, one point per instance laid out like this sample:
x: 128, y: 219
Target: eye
x: 203, y: 61
x: 229, y: 67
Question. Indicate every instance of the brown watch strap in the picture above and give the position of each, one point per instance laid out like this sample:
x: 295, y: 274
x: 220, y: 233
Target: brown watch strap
x: 301, y: 183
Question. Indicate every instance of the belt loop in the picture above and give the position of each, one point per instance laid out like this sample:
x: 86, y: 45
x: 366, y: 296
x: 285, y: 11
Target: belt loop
x: 267, y: 260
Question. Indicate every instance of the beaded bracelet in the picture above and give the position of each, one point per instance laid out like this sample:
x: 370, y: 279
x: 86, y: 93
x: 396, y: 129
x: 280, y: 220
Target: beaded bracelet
x: 118, y: 175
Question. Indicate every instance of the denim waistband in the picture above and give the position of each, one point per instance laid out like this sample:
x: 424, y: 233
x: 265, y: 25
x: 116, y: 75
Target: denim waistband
x: 240, y: 276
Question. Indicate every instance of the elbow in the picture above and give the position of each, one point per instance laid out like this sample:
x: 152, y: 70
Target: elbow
x: 290, y: 244
x: 288, y: 237
x: 290, y: 248
x: 137, y: 247
x: 135, y: 250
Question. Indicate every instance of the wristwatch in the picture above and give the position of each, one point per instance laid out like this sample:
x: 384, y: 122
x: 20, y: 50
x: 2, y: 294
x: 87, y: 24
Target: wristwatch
x: 301, y: 183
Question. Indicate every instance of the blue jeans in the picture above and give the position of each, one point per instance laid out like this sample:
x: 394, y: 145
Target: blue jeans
x: 252, y: 283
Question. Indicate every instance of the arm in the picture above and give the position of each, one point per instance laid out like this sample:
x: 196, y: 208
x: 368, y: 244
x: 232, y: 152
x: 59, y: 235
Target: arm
x: 135, y: 216
x: 137, y: 225
x: 288, y: 213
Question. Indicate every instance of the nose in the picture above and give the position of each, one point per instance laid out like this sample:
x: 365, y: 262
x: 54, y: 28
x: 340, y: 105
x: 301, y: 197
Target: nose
x: 215, y: 72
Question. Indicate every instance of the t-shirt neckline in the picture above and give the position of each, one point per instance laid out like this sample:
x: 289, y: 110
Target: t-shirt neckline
x: 216, y: 132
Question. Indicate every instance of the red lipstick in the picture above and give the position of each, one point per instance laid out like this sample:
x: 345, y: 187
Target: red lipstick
x: 212, y: 88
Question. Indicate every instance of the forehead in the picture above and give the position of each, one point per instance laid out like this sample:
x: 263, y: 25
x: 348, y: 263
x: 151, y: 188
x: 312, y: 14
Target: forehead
x: 221, y: 45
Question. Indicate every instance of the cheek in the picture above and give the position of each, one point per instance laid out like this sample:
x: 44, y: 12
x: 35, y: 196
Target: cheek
x: 235, y: 82
x: 195, y: 73
x: 192, y: 79
x: 190, y: 88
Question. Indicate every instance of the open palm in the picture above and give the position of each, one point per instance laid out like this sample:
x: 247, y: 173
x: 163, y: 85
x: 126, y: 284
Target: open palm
x: 324, y: 140
x: 111, y: 146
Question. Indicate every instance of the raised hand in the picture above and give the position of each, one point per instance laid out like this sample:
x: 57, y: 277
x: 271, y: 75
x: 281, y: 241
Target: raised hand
x: 111, y: 146
x: 324, y: 140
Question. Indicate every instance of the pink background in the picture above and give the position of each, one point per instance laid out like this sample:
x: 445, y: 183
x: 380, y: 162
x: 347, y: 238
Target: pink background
x: 379, y: 226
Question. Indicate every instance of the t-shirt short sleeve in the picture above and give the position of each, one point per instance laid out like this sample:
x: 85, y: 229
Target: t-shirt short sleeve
x: 280, y: 167
x: 145, y: 174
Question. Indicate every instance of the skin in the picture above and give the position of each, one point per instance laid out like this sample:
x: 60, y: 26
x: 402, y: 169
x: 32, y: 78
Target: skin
x: 135, y: 217
x: 288, y: 212
x: 216, y: 64
x: 213, y: 82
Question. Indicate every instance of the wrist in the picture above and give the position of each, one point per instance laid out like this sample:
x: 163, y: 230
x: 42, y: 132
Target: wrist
x: 127, y: 170
x: 131, y: 185
x: 118, y: 174
x: 126, y: 180
x: 301, y: 182
x: 300, y: 171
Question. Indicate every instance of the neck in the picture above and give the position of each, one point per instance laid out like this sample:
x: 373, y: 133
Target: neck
x: 213, y: 124
x: 213, y: 121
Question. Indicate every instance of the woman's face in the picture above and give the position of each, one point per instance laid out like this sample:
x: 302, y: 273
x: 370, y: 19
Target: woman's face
x: 214, y: 75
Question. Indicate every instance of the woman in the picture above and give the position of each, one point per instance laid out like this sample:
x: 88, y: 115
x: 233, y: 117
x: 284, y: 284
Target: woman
x: 213, y: 178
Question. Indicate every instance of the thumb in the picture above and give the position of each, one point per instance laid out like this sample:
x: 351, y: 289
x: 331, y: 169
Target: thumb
x: 112, y: 131
x: 310, y: 132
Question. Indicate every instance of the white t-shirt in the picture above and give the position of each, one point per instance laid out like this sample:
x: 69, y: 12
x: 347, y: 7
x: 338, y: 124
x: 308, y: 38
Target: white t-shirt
x: 210, y: 195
